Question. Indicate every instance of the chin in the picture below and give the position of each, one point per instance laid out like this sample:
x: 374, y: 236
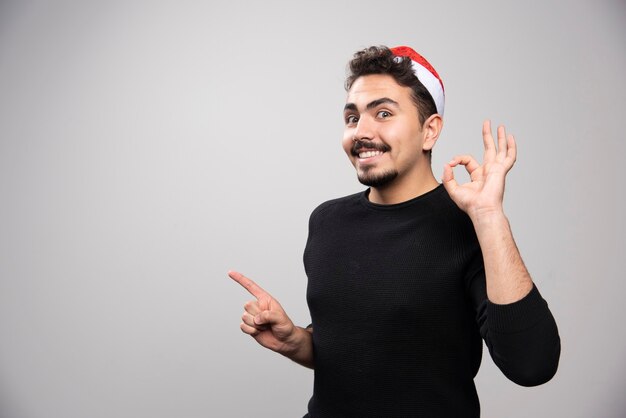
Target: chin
x: 377, y: 179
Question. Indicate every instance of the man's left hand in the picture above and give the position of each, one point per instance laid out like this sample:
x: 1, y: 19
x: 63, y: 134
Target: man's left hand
x: 483, y: 195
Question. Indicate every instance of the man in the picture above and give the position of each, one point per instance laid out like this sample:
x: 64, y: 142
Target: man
x: 407, y: 277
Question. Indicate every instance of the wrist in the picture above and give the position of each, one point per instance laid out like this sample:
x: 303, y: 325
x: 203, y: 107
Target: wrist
x: 295, y: 343
x: 300, y: 348
x: 487, y: 217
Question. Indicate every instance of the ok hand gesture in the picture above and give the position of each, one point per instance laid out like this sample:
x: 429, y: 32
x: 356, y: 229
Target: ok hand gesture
x: 483, y: 195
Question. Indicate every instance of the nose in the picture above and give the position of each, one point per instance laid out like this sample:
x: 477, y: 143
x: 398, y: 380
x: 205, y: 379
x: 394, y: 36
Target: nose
x: 364, y: 130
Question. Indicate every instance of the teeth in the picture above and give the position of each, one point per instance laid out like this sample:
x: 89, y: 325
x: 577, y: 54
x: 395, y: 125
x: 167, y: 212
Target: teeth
x: 368, y: 154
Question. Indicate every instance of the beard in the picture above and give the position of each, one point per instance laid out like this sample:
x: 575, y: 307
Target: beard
x: 376, y: 180
x: 366, y: 176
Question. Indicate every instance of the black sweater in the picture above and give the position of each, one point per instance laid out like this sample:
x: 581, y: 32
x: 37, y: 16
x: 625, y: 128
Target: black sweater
x: 399, y: 306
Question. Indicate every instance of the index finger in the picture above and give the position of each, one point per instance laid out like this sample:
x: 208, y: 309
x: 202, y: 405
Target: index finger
x: 254, y: 289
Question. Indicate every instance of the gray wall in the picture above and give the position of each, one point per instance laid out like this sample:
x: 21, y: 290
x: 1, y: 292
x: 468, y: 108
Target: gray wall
x: 148, y: 147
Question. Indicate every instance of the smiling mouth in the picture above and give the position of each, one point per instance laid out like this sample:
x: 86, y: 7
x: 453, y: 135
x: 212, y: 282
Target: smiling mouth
x: 369, y: 154
x: 369, y: 149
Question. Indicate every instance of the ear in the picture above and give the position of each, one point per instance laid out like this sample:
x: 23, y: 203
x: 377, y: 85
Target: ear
x: 432, y: 128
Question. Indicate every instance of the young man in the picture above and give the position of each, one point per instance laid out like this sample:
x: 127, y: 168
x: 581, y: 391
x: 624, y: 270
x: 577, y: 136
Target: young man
x: 406, y: 278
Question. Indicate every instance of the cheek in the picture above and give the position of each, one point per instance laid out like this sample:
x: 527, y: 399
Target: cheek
x: 346, y: 144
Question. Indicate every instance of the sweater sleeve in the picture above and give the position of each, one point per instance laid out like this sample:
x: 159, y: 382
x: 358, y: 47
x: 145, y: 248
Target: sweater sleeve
x: 522, y: 337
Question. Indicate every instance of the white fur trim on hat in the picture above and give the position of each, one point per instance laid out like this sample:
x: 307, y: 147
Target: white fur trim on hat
x: 425, y: 73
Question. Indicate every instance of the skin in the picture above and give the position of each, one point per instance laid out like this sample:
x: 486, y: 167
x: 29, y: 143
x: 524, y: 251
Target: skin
x: 266, y: 321
x: 507, y: 278
x: 381, y: 113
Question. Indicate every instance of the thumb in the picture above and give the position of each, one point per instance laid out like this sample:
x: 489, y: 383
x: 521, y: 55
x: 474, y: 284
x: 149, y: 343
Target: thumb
x: 448, y: 179
x: 267, y: 318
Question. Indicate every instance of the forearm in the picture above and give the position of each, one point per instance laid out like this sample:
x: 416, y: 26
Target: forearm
x: 300, y: 350
x: 520, y: 331
x: 507, y: 278
x: 523, y: 338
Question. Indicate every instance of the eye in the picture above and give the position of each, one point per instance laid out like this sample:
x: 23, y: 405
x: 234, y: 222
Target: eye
x: 351, y: 119
x: 383, y: 114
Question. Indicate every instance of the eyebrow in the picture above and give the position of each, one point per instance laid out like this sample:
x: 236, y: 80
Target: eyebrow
x: 372, y: 104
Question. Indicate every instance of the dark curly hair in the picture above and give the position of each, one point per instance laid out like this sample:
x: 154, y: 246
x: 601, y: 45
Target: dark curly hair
x: 380, y: 60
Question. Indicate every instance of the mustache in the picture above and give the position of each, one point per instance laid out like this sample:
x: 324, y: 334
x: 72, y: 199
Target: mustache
x: 369, y: 145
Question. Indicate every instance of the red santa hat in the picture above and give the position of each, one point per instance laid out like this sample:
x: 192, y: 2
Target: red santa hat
x: 425, y: 73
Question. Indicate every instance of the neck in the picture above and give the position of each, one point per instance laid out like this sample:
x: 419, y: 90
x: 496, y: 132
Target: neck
x: 401, y: 190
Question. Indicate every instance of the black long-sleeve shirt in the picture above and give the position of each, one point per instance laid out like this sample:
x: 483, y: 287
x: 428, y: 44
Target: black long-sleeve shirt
x: 398, y: 303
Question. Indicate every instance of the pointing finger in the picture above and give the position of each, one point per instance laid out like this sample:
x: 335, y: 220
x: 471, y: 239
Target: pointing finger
x: 254, y: 289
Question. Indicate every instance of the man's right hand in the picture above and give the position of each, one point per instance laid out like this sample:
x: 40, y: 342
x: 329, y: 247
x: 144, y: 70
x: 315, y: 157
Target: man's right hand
x: 266, y: 321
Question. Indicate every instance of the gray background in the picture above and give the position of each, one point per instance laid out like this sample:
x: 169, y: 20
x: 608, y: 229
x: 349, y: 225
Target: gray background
x: 148, y: 147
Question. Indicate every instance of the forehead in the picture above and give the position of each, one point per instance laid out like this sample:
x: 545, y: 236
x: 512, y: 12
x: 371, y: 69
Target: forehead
x: 374, y: 86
